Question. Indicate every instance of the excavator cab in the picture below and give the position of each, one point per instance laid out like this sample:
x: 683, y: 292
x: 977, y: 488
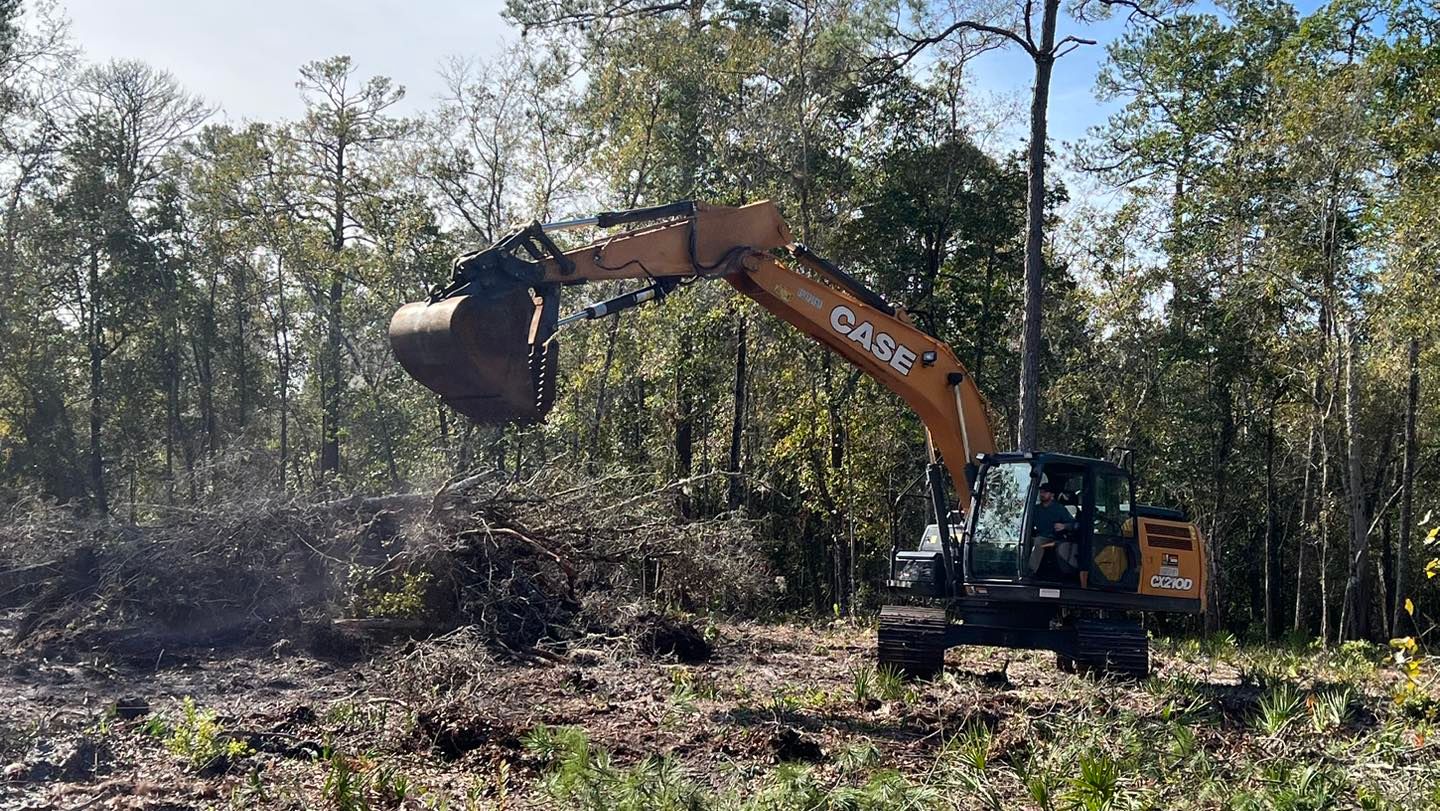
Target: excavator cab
x: 1053, y: 519
x: 1010, y: 536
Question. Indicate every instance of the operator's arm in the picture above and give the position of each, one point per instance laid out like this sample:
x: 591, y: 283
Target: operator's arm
x: 1050, y: 519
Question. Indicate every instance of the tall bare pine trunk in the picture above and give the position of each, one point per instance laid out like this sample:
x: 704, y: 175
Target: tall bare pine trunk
x: 1035, y: 232
x: 1407, y: 487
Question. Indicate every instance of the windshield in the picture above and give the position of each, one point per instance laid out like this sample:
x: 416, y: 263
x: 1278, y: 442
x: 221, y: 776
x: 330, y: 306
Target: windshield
x: 1000, y: 521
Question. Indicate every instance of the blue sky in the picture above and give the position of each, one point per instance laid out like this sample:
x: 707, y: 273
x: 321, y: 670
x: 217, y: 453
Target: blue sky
x: 243, y: 55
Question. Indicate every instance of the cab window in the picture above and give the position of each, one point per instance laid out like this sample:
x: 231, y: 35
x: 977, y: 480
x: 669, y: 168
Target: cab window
x: 930, y: 541
x: 1112, y: 506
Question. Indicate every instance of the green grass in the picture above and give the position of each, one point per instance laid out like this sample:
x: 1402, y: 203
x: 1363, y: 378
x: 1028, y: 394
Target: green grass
x: 890, y: 684
x: 583, y: 777
x: 1097, y: 785
x: 1095, y: 755
x: 862, y: 683
x: 1298, y: 727
x: 344, y: 786
x: 1331, y: 708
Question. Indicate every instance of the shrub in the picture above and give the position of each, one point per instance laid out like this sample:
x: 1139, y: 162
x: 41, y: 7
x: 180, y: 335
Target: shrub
x: 862, y: 683
x: 1097, y: 786
x: 404, y: 597
x: 1278, y: 708
x: 1330, y: 708
x: 198, y: 738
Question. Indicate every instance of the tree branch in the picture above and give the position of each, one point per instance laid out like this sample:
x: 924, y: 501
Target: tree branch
x: 919, y: 44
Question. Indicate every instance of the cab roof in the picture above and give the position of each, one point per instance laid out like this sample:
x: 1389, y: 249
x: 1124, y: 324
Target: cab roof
x: 1011, y: 457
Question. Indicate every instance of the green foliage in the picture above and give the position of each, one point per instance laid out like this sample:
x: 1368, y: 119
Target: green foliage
x: 1177, y: 746
x: 862, y: 682
x: 406, y: 597
x: 343, y: 787
x: 1278, y: 708
x: 688, y: 684
x: 1096, y: 786
x: 1292, y: 788
x: 890, y: 683
x: 1331, y: 708
x: 358, y: 783
x: 582, y: 777
x: 197, y: 737
x: 858, y: 757
x: 970, y: 748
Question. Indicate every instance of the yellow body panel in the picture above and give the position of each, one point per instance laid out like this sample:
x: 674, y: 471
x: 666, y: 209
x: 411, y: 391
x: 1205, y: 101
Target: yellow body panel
x: 1172, y: 560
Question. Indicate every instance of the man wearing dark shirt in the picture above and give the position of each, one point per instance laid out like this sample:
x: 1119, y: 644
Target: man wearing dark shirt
x: 1050, y: 518
x: 1049, y: 523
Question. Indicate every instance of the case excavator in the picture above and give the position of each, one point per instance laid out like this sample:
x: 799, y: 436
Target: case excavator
x: 1043, y: 551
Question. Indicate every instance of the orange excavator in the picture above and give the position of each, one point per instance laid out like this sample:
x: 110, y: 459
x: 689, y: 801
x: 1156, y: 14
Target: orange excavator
x: 1042, y: 551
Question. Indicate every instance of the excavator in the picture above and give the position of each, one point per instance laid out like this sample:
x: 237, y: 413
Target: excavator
x: 1026, y: 550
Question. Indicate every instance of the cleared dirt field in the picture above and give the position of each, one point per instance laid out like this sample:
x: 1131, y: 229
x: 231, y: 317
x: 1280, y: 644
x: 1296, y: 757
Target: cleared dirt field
x: 779, y: 716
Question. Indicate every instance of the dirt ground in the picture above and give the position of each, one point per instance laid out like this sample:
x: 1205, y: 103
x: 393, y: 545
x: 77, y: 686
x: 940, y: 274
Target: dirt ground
x: 442, y: 724
x: 450, y: 717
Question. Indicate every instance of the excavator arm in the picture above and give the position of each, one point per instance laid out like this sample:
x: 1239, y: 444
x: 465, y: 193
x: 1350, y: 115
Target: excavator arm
x: 486, y: 341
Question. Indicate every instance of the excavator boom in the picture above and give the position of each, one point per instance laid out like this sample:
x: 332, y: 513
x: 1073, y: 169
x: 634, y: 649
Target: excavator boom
x: 486, y: 342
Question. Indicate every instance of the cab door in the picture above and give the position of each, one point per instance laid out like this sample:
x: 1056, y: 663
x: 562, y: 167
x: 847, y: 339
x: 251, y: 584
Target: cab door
x: 998, y: 523
x: 1114, y: 548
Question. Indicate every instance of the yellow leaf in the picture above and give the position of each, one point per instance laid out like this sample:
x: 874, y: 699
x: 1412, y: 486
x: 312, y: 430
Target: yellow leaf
x: 1432, y: 534
x: 1432, y: 569
x: 1409, y: 607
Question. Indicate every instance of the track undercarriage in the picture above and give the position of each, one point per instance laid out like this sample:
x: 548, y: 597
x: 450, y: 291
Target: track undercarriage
x: 913, y: 639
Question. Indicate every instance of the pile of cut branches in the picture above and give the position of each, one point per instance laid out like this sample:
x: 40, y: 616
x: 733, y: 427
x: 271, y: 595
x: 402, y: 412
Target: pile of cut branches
x: 517, y: 562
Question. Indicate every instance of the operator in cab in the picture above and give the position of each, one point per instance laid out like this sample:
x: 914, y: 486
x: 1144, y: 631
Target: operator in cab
x: 1051, y: 527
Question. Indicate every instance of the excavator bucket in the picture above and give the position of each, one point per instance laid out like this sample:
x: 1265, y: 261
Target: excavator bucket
x: 479, y: 354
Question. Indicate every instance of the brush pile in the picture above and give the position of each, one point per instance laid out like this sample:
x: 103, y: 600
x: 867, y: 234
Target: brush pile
x: 517, y: 564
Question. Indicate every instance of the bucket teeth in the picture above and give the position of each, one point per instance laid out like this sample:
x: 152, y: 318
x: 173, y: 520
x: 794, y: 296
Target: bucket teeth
x: 544, y: 362
x: 477, y: 354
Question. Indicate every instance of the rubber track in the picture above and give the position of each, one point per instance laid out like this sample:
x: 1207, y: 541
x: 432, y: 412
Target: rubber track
x: 911, y: 640
x: 1119, y: 648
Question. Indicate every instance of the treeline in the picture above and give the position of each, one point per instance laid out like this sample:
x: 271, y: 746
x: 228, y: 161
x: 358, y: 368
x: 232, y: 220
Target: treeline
x: 192, y: 312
